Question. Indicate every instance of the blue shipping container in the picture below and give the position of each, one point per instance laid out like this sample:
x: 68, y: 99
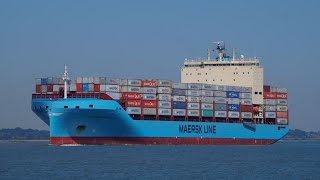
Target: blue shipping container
x: 232, y: 94
x: 43, y: 81
x: 179, y: 105
x: 85, y: 87
x: 233, y: 107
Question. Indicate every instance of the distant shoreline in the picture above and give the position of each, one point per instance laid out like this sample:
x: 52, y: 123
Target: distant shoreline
x: 30, y: 140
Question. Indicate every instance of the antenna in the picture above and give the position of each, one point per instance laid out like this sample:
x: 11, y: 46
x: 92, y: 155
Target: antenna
x: 209, y: 55
x: 65, y: 79
x: 220, y: 48
x: 233, y: 54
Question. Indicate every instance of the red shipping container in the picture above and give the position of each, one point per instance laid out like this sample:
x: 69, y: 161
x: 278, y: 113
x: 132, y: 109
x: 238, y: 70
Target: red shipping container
x: 133, y: 103
x: 149, y: 104
x: 130, y: 95
x: 282, y: 114
x: 266, y: 88
x: 246, y: 108
x: 49, y: 88
x: 269, y: 95
x: 149, y: 83
x: 55, y: 92
x: 96, y: 88
x: 79, y: 87
x: 38, y: 89
x: 282, y: 96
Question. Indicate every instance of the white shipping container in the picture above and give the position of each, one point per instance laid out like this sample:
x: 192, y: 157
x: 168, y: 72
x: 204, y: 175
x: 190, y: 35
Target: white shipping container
x: 134, y: 89
x: 270, y: 108
x: 282, y: 108
x: 220, y: 88
x: 44, y: 88
x: 149, y: 111
x: 282, y: 102
x: 246, y: 115
x: 233, y: 114
x: 164, y: 112
x: 164, y: 104
x: 149, y: 97
x: 194, y: 99
x: 220, y: 114
x: 220, y: 100
x: 56, y: 87
x: 245, y: 95
x: 207, y: 99
x: 149, y: 90
x: 179, y: 98
x: 233, y: 100
x: 91, y: 80
x: 96, y: 80
x: 179, y: 112
x: 130, y: 82
x: 38, y: 81
x: 164, y: 83
x: 133, y: 110
x: 246, y: 101
x: 193, y: 113
x: 102, y: 88
x: 194, y: 86
x: 112, y: 81
x: 179, y: 86
x: 270, y: 101
x: 114, y: 95
x: 282, y: 90
x: 112, y: 88
x: 193, y: 92
x: 270, y: 114
x: 164, y: 90
x: 73, y: 87
x: 91, y: 87
x: 219, y: 94
x: 208, y: 87
x: 164, y: 97
x: 282, y: 121
x: 193, y: 105
x: 246, y: 89
x: 206, y: 93
x: 206, y: 106
x: 85, y: 80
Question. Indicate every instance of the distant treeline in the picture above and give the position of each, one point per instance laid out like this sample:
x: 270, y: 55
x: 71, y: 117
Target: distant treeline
x: 34, y: 134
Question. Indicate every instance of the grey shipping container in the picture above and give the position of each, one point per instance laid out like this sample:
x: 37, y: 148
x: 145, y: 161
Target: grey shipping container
x: 149, y: 97
x: 208, y: 87
x: 233, y: 101
x: 179, y: 112
x: 282, y: 90
x: 133, y: 110
x: 114, y: 95
x: 164, y: 97
x: 164, y: 112
x: 130, y: 82
x: 246, y: 115
x: 194, y: 99
x: 206, y: 93
x: 207, y: 106
x: 220, y: 88
x: 233, y: 114
x: 102, y: 88
x: 193, y: 113
x: 246, y: 101
x: 134, y: 89
x: 91, y: 80
x: 179, y: 86
x: 149, y: 111
x: 234, y: 88
x: 220, y: 107
x: 164, y: 83
x: 91, y: 87
x: 194, y: 86
x: 270, y: 114
x: 220, y: 100
x: 113, y: 88
x: 270, y: 101
x: 282, y: 108
x: 85, y: 80
x: 207, y: 99
x: 219, y: 94
x: 56, y: 87
x: 112, y: 81
x: 220, y: 114
x: 149, y: 90
x: 179, y: 92
x: 164, y: 104
x: 282, y: 102
x: 50, y: 80
x: 245, y: 95
x: 79, y: 80
x: 270, y: 108
x: 246, y: 89
x: 96, y: 80
x: 164, y: 90
x: 43, y: 88
x: 38, y: 81
x: 56, y: 80
x: 193, y: 105
x: 193, y: 92
x: 282, y: 121
x: 102, y: 80
x: 179, y: 98
x: 73, y: 87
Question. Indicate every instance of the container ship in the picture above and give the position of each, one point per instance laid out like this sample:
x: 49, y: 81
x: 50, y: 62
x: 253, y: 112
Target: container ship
x: 220, y: 101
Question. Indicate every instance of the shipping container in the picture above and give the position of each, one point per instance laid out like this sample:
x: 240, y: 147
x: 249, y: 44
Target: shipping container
x: 246, y: 101
x: 133, y: 103
x: 220, y: 88
x: 43, y: 81
x: 206, y: 93
x: 219, y: 94
x: 282, y: 108
x: 231, y: 94
x: 102, y: 88
x: 270, y: 114
x: 246, y: 115
x: 43, y: 88
x: 116, y: 88
x: 38, y: 88
x: 246, y: 89
x: 91, y: 80
x: 207, y: 106
x: 193, y: 99
x: 179, y: 86
x: 234, y: 88
x: 164, y: 90
x: 270, y: 95
x: 282, y: 96
x: 194, y: 86
x: 150, y: 90
x: 179, y: 92
x: 270, y: 108
x: 246, y: 108
x: 102, y: 80
x: 282, y: 90
x: 130, y: 82
x: 91, y: 87
x: 193, y: 92
x: 112, y: 81
x: 266, y: 88
x: 85, y: 87
x: 131, y: 95
x: 273, y: 89
x: 96, y: 80
x: 220, y: 107
x: 96, y: 87
x: 233, y: 101
x: 149, y: 83
x: 134, y: 89
x: 207, y: 113
x: 164, y: 97
x: 149, y: 111
x: 164, y: 83
x: 282, y: 102
x: 164, y: 112
x: 208, y: 87
x: 233, y: 114
x: 164, y: 104
x: 179, y: 105
x: 221, y: 100
x: 149, y: 97
x: 56, y: 88
x: 179, y: 98
x: 49, y: 88
x: 134, y: 110
x: 233, y: 107
x: 72, y: 87
x: 193, y: 113
x: 38, y: 81
x: 85, y: 80
x: 193, y: 105
x: 49, y: 80
x: 245, y: 95
x: 270, y: 101
x: 282, y: 115
x: 149, y: 104
x: 60, y: 81
x: 282, y: 121
x: 207, y: 99
x: 55, y: 80
x: 114, y: 95
x: 179, y: 112
x: 220, y: 114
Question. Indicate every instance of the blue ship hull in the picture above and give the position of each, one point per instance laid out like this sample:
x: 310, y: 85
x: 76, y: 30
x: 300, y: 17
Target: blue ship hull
x: 95, y: 121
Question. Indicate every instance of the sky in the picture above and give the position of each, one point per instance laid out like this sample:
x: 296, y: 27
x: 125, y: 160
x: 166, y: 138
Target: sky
x: 151, y: 39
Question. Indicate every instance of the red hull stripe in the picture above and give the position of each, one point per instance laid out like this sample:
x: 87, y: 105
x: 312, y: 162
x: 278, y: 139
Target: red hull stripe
x: 157, y: 141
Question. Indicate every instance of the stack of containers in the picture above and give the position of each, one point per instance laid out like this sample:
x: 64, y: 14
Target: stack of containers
x: 246, y: 107
x: 207, y: 100
x: 51, y: 85
x: 282, y: 106
x: 220, y: 100
x: 149, y: 97
x: 164, y: 91
x: 111, y: 87
x: 179, y: 92
x: 193, y: 101
x: 233, y: 98
x: 130, y: 94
